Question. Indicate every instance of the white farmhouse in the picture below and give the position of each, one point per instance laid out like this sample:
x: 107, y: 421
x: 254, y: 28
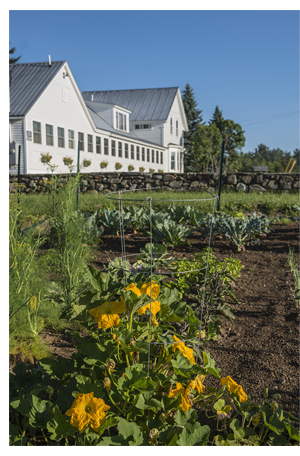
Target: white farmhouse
x: 48, y: 114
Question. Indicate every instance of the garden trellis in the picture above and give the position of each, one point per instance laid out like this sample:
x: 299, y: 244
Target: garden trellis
x: 149, y: 201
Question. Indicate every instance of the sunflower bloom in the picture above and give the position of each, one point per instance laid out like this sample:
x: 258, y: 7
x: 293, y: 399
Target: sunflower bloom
x: 107, y: 315
x: 187, y: 352
x: 185, y: 404
x: 197, y: 384
x: 233, y: 387
x: 87, y: 409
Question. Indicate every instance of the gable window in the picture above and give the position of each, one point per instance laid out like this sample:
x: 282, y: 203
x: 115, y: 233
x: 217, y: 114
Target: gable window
x: 176, y: 127
x: 81, y: 141
x: 137, y: 152
x: 132, y: 151
x: 113, y: 147
x: 152, y: 156
x: 49, y: 135
x: 98, y: 145
x: 71, y: 139
x: 61, y: 137
x: 126, y: 150
x: 171, y: 125
x: 105, y: 146
x: 120, y: 149
x: 161, y: 158
x: 143, y: 127
x: 173, y: 161
x: 121, y: 123
x: 148, y: 155
x: 143, y: 153
x: 37, y: 133
x: 90, y: 143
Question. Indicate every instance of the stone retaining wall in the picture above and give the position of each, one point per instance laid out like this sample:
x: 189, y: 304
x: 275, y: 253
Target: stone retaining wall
x: 108, y: 182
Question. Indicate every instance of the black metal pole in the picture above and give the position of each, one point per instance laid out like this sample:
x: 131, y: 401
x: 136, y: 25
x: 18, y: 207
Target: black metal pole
x: 220, y: 175
x: 19, y: 173
x: 78, y: 159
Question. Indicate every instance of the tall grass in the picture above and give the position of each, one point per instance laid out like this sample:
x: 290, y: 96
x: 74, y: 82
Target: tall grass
x: 295, y: 271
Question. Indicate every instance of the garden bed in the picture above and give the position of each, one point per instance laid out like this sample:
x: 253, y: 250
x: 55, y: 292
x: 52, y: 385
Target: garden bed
x: 260, y: 348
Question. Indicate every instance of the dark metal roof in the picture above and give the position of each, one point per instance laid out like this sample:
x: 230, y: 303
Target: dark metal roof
x: 145, y: 104
x: 27, y: 82
x: 101, y: 124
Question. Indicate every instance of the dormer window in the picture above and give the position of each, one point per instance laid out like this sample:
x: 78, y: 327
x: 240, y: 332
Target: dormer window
x: 143, y: 127
x: 121, y: 121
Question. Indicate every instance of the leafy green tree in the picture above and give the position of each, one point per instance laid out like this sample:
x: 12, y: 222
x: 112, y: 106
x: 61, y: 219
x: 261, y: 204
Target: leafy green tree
x: 11, y: 58
x: 194, y: 119
x: 233, y: 136
x: 206, y: 148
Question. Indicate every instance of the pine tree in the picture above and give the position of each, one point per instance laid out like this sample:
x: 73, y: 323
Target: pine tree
x: 194, y: 119
x: 217, y: 118
x: 13, y: 59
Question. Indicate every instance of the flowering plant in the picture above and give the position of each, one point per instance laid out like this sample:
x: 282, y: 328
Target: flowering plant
x: 141, y: 169
x: 131, y: 168
x: 68, y: 161
x: 118, y: 165
x: 46, y: 158
x: 151, y: 170
x: 86, y: 163
x: 103, y: 164
x: 160, y: 171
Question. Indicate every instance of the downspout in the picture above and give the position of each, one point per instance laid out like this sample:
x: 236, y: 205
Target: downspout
x: 25, y: 147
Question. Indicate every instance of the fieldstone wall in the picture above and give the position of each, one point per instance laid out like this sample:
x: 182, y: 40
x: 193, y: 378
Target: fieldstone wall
x: 109, y: 182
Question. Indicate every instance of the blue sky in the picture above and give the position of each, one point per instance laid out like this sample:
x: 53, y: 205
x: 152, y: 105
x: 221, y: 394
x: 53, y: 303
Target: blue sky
x: 246, y: 62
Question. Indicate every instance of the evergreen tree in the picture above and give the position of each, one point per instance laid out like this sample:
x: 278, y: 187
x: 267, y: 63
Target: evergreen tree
x: 13, y: 59
x: 217, y: 118
x: 194, y: 119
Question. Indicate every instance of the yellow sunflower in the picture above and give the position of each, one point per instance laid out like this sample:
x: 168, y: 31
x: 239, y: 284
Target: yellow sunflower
x: 87, y: 409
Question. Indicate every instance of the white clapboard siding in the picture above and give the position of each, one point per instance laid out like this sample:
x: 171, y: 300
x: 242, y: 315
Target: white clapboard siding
x: 17, y: 134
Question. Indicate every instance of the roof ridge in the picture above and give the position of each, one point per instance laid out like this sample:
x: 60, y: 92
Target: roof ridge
x: 126, y: 90
x: 35, y: 63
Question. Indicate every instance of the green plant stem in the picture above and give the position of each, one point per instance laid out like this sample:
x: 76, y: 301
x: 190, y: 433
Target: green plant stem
x: 46, y: 440
x: 113, y: 401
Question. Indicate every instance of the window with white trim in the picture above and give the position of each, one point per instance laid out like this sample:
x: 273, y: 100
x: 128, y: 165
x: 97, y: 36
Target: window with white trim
x: 126, y: 150
x: 152, y: 156
x: 148, y: 155
x: 173, y: 161
x: 120, y: 149
x: 81, y: 141
x: 37, y: 132
x: 98, y: 145
x: 143, y: 127
x: 178, y: 155
x: 176, y: 127
x: 143, y: 153
x: 137, y: 152
x: 90, y: 143
x: 161, y: 158
x: 171, y: 125
x: 132, y: 151
x: 157, y: 156
x: 71, y: 139
x: 49, y: 135
x: 106, y: 146
x: 113, y: 147
x: 121, y: 121
x: 60, y: 137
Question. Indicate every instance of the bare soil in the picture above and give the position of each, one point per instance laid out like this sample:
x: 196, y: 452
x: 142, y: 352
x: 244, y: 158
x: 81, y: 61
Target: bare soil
x: 260, y: 348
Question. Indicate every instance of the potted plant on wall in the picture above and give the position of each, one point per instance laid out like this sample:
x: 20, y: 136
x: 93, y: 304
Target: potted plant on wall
x: 160, y: 171
x: 118, y: 166
x: 141, y: 169
x: 151, y: 170
x: 103, y: 164
x: 130, y: 168
x: 86, y: 163
x: 46, y: 158
x: 68, y: 161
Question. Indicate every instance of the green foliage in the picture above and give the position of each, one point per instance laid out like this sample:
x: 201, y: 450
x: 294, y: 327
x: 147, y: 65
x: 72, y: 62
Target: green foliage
x: 206, y: 149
